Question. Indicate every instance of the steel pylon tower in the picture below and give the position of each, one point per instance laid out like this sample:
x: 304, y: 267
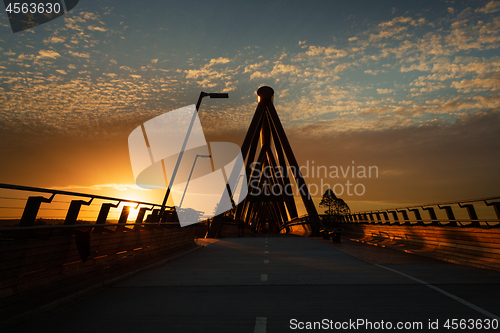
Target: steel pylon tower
x: 270, y: 167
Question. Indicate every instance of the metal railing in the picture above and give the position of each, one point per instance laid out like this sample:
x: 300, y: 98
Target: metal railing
x: 416, y: 214
x: 33, y: 203
x: 303, y: 220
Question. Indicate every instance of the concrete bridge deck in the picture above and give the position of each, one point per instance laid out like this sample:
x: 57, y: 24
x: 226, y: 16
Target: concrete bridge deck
x: 263, y: 284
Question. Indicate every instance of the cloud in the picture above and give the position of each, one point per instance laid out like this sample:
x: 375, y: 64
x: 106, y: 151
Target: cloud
x: 332, y: 76
x: 423, y: 67
x: 89, y: 16
x: 491, y: 7
x: 369, y: 111
x: 72, y: 23
x: 401, y: 20
x: 392, y: 32
x: 214, y: 73
x: 125, y: 68
x: 467, y: 35
x: 404, y: 44
x: 395, y: 28
x: 384, y: 91
x: 94, y: 28
x: 23, y: 57
x: 374, y: 72
x: 219, y: 60
x: 255, y: 66
x: 9, y: 53
x: 478, y: 84
x: 54, y: 40
x: 327, y: 52
x: 48, y: 54
x: 277, y: 70
x: 79, y: 54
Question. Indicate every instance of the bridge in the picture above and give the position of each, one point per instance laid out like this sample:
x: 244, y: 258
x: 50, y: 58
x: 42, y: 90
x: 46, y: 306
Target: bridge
x: 130, y: 268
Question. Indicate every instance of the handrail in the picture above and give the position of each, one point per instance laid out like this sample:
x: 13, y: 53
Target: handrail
x: 84, y: 195
x: 303, y: 219
x: 401, y: 215
x: 430, y: 210
x: 432, y: 204
x: 33, y: 203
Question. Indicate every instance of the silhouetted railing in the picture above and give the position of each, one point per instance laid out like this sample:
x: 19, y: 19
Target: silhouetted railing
x: 29, y: 217
x: 37, y: 253
x: 427, y: 215
x: 305, y: 225
x: 465, y: 232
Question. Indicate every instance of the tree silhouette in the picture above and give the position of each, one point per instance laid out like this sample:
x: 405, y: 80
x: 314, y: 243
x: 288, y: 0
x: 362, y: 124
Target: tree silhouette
x: 333, y: 205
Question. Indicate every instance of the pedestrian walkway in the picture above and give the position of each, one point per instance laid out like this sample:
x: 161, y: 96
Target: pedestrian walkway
x: 284, y: 283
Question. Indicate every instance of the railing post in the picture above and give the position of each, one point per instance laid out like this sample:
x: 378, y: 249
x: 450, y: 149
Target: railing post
x: 472, y: 214
x: 170, y: 219
x: 418, y: 217
x: 496, y: 206
x: 154, y: 217
x: 123, y: 219
x: 395, y: 215
x: 449, y: 214
x: 74, y: 210
x: 386, y: 217
x: 31, y: 210
x: 140, y: 217
x: 103, y: 216
x: 405, y: 216
x: 432, y: 215
x: 371, y: 217
x: 382, y: 216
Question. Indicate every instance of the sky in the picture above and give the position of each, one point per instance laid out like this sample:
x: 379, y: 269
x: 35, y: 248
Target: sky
x: 409, y: 87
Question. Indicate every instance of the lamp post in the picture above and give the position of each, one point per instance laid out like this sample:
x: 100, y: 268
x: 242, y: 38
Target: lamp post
x: 190, y: 174
x: 186, y: 138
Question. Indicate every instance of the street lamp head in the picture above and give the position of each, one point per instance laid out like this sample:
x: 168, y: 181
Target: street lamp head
x: 212, y: 95
x: 218, y: 95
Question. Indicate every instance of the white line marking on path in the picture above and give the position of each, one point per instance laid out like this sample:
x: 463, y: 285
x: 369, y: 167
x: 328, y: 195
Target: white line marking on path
x: 260, y: 325
x: 263, y: 277
x: 266, y: 261
x: 456, y: 298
